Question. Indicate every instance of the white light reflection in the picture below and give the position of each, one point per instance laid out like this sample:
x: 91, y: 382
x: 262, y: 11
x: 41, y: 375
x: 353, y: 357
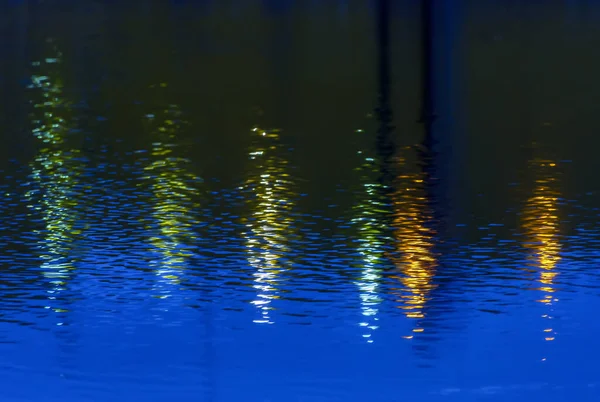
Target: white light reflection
x: 370, y: 218
x: 269, y: 226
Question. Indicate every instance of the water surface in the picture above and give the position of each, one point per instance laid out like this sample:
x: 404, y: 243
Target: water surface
x: 299, y: 201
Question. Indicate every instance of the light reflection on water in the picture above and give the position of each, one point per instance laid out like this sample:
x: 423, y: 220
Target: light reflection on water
x: 55, y: 172
x: 269, y: 226
x: 370, y: 218
x: 174, y: 193
x: 414, y: 240
x: 541, y: 222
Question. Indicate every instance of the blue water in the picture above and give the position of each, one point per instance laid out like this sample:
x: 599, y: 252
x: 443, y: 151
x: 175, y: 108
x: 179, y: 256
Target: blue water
x: 299, y: 201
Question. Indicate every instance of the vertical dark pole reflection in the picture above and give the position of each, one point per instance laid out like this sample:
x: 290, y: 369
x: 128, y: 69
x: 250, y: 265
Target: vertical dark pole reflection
x: 430, y: 278
x: 428, y: 101
x: 385, y: 145
x: 417, y: 207
x: 370, y: 213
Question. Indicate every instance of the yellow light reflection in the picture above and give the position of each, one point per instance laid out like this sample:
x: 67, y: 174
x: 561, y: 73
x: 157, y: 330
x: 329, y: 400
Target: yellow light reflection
x: 370, y: 218
x: 174, y: 190
x: 269, y: 226
x: 541, y: 226
x: 414, y: 256
x: 54, y: 173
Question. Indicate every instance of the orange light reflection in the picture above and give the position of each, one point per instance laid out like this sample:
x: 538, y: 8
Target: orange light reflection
x: 541, y: 226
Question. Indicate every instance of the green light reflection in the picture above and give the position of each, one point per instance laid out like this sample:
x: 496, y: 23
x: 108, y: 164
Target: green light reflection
x: 55, y: 174
x: 174, y: 189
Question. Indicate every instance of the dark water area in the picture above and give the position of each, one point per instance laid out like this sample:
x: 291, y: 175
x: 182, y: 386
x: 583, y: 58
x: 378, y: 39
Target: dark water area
x: 299, y: 201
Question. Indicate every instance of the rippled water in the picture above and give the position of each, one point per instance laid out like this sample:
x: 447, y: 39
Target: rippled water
x: 299, y: 201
